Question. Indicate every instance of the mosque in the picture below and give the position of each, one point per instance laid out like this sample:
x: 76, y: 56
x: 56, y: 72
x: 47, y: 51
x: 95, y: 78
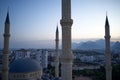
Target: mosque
x: 28, y: 69
x: 23, y: 69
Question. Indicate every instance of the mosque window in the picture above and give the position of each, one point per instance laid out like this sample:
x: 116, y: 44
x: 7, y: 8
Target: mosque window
x: 31, y: 75
x: 14, y: 76
x: 23, y: 75
x: 17, y: 76
x: 36, y: 74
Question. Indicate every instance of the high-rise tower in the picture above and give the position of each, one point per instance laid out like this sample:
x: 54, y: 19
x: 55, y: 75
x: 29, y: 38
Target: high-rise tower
x: 5, y: 69
x: 67, y: 56
x: 57, y: 54
x: 107, y: 51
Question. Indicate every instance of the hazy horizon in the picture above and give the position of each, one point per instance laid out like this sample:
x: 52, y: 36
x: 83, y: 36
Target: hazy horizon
x: 46, y: 44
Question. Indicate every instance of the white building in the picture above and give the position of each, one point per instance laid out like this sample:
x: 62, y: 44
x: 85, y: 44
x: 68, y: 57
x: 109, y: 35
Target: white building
x: 22, y: 54
x: 51, y: 57
x: 42, y: 57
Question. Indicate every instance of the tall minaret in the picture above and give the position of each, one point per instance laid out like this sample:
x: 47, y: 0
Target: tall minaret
x: 57, y: 54
x: 107, y: 51
x: 67, y: 56
x: 5, y: 69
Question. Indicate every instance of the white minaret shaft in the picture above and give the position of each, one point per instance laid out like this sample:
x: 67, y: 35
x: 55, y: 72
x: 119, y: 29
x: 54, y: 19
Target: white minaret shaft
x: 67, y: 56
x: 107, y: 51
x: 66, y: 9
x: 5, y: 69
x: 57, y: 54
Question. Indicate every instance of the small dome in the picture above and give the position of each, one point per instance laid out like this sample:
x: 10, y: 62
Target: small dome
x: 24, y: 66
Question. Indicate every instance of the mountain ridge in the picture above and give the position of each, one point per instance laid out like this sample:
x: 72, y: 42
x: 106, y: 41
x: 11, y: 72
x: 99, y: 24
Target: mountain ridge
x: 96, y: 45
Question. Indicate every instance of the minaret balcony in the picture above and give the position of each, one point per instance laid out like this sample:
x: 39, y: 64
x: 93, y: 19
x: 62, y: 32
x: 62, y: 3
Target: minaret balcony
x: 6, y: 35
x: 107, y: 37
x: 66, y: 22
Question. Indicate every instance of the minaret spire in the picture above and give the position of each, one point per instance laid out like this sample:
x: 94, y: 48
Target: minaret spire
x: 5, y: 69
x: 7, y: 18
x: 67, y: 56
x: 107, y: 22
x: 107, y: 51
x: 57, y: 31
x: 57, y: 53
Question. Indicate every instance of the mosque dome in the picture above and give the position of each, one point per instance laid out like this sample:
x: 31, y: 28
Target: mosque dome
x: 24, y: 65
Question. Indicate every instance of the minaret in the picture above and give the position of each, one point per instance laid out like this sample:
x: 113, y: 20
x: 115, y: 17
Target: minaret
x: 57, y: 54
x: 5, y: 69
x: 67, y: 56
x: 107, y: 51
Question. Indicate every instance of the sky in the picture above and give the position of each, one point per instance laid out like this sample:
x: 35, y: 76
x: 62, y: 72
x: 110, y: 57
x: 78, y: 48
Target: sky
x: 33, y: 22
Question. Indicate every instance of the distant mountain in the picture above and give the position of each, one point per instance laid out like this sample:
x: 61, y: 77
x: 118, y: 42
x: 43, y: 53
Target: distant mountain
x: 101, y: 43
x: 74, y: 45
x: 91, y: 45
x: 116, y: 47
x: 88, y: 46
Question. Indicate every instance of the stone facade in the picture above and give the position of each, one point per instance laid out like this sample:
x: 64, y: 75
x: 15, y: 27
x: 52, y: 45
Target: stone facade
x: 25, y: 76
x: 6, y: 49
x: 107, y: 51
x: 67, y: 56
x: 57, y: 54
